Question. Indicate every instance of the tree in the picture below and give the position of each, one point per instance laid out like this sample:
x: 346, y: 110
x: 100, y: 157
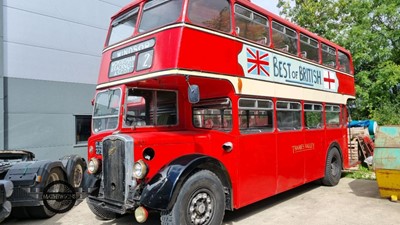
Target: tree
x: 370, y: 29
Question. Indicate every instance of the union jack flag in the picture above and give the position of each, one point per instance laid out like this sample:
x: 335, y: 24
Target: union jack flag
x: 257, y: 62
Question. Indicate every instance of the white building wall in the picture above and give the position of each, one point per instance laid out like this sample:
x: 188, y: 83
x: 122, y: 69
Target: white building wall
x: 51, y: 58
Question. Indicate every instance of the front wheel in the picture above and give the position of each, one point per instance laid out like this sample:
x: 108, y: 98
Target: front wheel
x: 333, y: 168
x: 201, y: 201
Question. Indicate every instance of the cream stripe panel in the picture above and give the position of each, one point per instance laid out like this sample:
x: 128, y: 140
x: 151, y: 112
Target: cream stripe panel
x: 249, y: 87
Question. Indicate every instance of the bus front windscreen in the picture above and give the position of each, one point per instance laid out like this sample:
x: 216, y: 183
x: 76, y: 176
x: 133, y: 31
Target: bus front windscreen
x: 106, y: 110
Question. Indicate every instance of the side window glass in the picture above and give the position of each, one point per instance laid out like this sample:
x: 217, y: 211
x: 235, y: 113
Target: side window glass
x: 288, y: 115
x: 251, y: 25
x: 328, y: 56
x: 255, y: 115
x: 214, y: 14
x: 284, y: 38
x: 332, y: 116
x: 344, y: 62
x: 313, y: 116
x: 309, y: 48
x: 215, y: 114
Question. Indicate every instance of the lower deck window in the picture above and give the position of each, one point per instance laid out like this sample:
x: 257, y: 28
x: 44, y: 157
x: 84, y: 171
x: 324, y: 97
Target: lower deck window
x: 213, y: 114
x: 332, y: 115
x: 288, y: 115
x: 150, y: 108
x: 255, y: 115
x: 313, y: 116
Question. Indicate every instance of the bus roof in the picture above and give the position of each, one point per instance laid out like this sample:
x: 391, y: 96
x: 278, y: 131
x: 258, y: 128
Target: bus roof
x: 264, y: 12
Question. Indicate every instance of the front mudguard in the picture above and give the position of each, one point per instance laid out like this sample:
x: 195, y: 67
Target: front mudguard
x: 29, y: 179
x: 162, y: 190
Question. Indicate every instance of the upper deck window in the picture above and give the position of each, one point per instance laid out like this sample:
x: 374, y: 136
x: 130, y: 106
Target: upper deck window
x: 214, y: 14
x: 344, y: 62
x: 251, y: 25
x: 309, y: 48
x: 284, y: 38
x: 123, y: 27
x: 157, y: 13
x: 328, y: 55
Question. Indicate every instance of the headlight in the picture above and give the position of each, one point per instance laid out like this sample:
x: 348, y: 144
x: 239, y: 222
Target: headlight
x: 94, y: 165
x: 139, y: 169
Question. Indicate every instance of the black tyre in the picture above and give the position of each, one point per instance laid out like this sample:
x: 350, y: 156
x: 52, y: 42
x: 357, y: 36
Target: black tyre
x: 201, y: 200
x: 76, y: 167
x: 41, y: 212
x: 20, y: 213
x: 333, y: 168
x: 100, y: 212
x: 76, y: 176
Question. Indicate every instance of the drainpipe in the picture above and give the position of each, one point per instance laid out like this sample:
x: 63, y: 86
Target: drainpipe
x: 2, y: 91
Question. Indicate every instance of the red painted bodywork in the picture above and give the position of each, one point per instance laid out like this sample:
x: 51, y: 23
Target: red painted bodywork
x: 261, y: 164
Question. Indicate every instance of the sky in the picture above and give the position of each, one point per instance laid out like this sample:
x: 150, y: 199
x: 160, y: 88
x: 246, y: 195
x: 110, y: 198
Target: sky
x: 269, y: 5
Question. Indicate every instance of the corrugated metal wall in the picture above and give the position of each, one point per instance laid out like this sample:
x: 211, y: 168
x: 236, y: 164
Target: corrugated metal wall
x: 52, y: 51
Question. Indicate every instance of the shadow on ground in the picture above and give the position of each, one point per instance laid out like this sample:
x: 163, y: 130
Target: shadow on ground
x: 365, y: 188
x: 243, y: 213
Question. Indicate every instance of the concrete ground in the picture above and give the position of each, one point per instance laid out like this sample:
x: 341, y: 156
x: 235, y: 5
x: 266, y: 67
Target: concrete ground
x: 351, y: 202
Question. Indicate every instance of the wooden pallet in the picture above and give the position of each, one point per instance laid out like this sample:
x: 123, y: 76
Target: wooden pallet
x: 353, y: 150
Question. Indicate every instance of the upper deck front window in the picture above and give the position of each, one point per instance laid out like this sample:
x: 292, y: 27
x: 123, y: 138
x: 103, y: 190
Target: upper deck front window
x: 157, y: 13
x: 123, y: 27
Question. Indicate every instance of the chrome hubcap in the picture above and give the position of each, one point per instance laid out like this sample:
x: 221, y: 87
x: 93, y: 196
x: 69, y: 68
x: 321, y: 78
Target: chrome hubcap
x: 201, y: 208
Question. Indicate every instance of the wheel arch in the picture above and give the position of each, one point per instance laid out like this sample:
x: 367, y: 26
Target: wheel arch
x: 335, y: 144
x: 162, y: 190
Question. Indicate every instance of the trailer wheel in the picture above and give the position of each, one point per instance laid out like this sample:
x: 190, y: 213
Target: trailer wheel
x: 100, y: 212
x: 76, y: 177
x: 75, y: 167
x: 201, y: 200
x: 333, y: 168
x: 41, y: 212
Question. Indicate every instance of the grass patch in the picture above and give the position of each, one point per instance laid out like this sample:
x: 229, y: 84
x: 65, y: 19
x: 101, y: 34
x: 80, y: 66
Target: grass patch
x: 360, y: 173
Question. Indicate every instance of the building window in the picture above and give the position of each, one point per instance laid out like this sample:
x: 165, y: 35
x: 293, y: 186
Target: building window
x: 82, y: 128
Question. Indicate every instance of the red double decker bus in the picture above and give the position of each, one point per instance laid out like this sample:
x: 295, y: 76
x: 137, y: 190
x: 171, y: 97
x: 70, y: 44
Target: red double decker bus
x: 204, y: 106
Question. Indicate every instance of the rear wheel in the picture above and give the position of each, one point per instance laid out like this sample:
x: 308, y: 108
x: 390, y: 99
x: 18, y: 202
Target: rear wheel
x: 42, y: 212
x: 201, y: 201
x: 333, y: 168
